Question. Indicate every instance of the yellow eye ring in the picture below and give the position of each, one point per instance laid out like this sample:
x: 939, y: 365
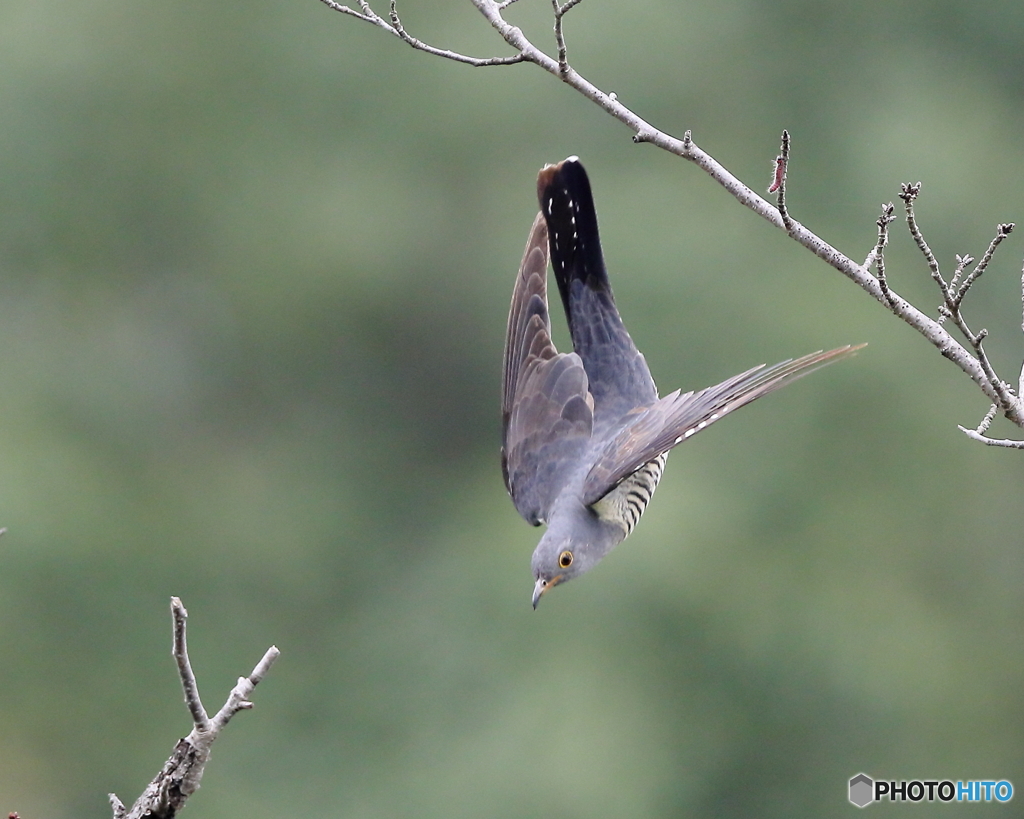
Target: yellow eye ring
x: 565, y: 559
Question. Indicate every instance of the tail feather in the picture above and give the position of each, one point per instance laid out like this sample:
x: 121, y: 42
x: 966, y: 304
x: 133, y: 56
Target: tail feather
x: 619, y: 377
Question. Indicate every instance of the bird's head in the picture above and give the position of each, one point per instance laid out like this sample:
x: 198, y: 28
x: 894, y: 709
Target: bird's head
x: 570, y: 548
x: 555, y: 563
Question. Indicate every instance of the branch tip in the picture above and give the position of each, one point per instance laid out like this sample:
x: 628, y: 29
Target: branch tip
x: 877, y: 254
x: 179, y: 649
x: 909, y: 191
x: 1006, y: 443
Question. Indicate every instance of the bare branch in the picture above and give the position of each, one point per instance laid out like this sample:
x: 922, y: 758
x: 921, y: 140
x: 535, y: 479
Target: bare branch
x: 961, y: 265
x: 367, y: 14
x: 974, y: 435
x: 1002, y: 231
x: 877, y: 255
x: 238, y: 700
x: 908, y: 193
x: 686, y: 148
x: 419, y: 45
x: 560, y: 12
x: 396, y: 28
x: 181, y: 773
x: 953, y: 295
x: 179, y: 650
x: 976, y: 365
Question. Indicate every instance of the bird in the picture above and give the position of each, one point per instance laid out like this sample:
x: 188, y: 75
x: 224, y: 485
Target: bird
x: 585, y: 434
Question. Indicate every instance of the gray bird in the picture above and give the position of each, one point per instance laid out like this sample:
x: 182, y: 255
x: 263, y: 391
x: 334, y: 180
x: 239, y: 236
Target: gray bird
x: 585, y: 436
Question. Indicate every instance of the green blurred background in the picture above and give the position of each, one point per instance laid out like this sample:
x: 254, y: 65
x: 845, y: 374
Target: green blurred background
x: 255, y: 263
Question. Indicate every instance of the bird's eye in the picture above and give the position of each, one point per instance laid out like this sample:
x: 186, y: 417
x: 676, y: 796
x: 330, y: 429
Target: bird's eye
x: 565, y: 559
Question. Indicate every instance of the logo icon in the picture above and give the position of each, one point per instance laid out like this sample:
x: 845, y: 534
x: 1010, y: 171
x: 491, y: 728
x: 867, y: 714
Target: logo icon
x: 862, y: 790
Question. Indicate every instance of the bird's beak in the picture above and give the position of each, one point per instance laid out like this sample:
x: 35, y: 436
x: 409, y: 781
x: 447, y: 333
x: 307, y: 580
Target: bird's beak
x: 542, y: 586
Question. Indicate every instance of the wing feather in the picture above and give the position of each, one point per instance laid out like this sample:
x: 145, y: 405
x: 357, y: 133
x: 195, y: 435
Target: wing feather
x: 547, y: 408
x: 678, y: 416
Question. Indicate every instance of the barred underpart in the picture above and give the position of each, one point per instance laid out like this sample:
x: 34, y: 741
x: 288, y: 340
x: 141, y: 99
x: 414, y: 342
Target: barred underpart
x: 626, y: 502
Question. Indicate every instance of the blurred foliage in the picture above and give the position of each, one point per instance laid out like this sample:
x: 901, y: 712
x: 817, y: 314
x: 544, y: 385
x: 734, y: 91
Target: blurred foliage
x: 254, y: 272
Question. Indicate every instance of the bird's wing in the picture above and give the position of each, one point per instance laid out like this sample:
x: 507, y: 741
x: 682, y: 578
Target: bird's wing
x: 676, y: 417
x: 618, y: 374
x: 547, y: 409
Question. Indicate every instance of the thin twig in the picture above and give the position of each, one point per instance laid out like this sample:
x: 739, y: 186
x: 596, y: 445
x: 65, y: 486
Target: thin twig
x: 908, y: 193
x: 1002, y: 231
x: 396, y: 24
x: 238, y: 699
x: 986, y: 422
x: 1006, y: 398
x: 953, y: 295
x: 961, y: 265
x: 877, y: 255
x: 366, y: 14
x: 179, y: 649
x: 396, y: 28
x: 560, y: 12
x: 779, y: 183
x: 1002, y: 442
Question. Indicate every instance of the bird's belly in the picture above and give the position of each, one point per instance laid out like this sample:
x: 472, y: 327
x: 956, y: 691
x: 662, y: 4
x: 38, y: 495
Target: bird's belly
x: 626, y: 502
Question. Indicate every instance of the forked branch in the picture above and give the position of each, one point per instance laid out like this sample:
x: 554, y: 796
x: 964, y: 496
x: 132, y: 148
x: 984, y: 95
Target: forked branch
x: 179, y: 778
x: 394, y: 26
x: 1004, y: 400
